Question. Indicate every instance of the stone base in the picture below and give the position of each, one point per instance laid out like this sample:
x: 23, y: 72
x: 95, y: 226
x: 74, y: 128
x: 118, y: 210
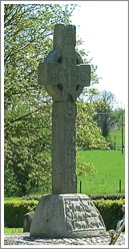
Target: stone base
x: 66, y: 216
x: 27, y: 221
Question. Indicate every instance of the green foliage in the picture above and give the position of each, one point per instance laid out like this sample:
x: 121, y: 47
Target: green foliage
x: 88, y: 133
x: 85, y: 168
x: 110, y: 211
x: 28, y: 30
x: 14, y: 212
x: 106, y: 116
x: 115, y: 138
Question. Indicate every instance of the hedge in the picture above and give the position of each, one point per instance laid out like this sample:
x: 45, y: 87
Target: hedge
x: 110, y: 210
x: 107, y: 197
x: 14, y: 211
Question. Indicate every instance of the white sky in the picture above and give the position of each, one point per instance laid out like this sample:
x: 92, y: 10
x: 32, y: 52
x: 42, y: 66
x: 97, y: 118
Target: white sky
x: 104, y: 30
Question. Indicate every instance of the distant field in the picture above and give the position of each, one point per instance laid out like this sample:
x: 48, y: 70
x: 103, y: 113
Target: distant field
x: 110, y: 167
x: 116, y: 138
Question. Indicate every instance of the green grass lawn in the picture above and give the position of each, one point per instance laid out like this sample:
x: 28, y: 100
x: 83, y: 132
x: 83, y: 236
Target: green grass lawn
x: 110, y: 167
x: 12, y: 230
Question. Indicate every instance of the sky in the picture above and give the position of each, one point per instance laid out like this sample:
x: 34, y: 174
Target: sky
x: 104, y: 30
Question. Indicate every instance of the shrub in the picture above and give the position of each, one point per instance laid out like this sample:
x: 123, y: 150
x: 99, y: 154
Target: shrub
x: 14, y: 212
x: 107, y: 197
x: 110, y: 211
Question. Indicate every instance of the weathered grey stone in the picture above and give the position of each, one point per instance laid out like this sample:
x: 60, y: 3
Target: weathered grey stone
x: 64, y: 77
x: 63, y: 148
x: 62, y: 72
x: 27, y: 221
x: 120, y: 222
x: 65, y: 213
x: 66, y: 216
x: 26, y: 240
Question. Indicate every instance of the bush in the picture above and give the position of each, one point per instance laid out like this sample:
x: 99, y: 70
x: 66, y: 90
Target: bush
x: 14, y: 212
x: 107, y: 197
x: 110, y: 211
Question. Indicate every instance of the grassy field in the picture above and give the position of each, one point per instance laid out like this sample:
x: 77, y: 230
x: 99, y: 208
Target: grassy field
x: 12, y: 230
x: 110, y: 168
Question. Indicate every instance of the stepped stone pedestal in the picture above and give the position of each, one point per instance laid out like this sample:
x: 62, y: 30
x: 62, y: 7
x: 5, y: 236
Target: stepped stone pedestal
x: 66, y: 216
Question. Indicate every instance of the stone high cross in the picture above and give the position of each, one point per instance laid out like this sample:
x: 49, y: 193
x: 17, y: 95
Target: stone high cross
x: 65, y: 213
x: 64, y: 77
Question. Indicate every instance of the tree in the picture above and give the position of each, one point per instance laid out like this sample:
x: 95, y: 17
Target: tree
x: 106, y: 116
x: 88, y: 133
x: 28, y: 30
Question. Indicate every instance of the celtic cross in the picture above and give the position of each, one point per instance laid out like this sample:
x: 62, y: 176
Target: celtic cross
x: 64, y: 77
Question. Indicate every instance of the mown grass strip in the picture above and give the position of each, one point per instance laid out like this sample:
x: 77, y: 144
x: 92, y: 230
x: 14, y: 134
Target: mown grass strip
x: 110, y: 168
x: 13, y: 230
